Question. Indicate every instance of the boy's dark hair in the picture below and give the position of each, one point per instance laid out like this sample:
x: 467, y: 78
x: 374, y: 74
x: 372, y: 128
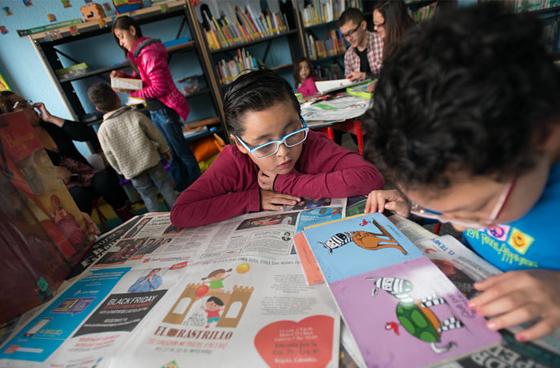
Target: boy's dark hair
x: 255, y: 91
x: 351, y: 15
x: 397, y: 21
x: 124, y: 22
x: 472, y: 90
x: 296, y: 69
x: 103, y: 97
x: 216, y: 300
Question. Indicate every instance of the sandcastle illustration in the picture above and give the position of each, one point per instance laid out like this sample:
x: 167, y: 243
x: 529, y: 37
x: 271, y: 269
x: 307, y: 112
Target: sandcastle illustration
x: 235, y: 302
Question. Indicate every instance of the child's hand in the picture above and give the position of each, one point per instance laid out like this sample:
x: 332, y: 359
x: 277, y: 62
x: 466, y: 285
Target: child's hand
x: 516, y: 297
x: 271, y: 201
x: 91, y: 227
x: 356, y: 76
x: 167, y: 156
x: 380, y: 200
x: 266, y: 180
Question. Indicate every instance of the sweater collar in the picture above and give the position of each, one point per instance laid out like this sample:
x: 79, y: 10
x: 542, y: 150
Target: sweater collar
x: 115, y: 113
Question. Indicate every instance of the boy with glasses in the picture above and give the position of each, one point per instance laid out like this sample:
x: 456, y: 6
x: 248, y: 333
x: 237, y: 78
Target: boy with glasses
x: 274, y: 161
x: 363, y: 58
x: 466, y: 122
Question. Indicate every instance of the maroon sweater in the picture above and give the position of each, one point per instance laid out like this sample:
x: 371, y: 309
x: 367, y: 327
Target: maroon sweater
x: 229, y: 187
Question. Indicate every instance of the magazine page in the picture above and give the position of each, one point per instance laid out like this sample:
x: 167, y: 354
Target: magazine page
x: 463, y: 267
x: 91, y: 319
x: 370, y: 266
x: 242, y: 311
x: 155, y: 241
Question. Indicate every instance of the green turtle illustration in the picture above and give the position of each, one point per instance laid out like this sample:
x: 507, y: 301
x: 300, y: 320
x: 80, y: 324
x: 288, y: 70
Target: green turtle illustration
x: 416, y: 316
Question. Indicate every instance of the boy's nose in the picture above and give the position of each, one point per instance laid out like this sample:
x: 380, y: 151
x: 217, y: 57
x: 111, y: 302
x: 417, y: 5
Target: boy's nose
x: 282, y: 150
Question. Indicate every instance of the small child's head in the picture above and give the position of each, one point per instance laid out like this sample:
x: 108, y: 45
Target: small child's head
x: 103, y: 97
x: 260, y: 107
x: 214, y: 303
x: 126, y: 32
x: 302, y: 70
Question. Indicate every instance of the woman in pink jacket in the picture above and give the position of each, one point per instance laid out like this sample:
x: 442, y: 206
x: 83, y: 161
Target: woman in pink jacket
x: 148, y: 57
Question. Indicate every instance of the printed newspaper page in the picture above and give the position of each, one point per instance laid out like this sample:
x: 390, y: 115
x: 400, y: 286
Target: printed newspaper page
x: 228, y: 291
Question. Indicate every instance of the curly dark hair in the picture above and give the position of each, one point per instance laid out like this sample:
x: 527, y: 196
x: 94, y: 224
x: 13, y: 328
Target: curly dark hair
x: 473, y: 90
x: 255, y: 91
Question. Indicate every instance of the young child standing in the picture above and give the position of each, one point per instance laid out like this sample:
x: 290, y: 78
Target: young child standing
x: 132, y: 145
x: 305, y: 80
x: 274, y: 160
x: 166, y: 104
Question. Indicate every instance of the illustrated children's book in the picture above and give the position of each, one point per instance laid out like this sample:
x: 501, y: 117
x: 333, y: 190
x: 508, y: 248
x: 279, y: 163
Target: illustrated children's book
x: 389, y: 292
x: 126, y: 83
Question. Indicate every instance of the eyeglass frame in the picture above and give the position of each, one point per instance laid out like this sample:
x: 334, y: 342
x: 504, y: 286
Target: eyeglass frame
x: 350, y: 33
x: 427, y: 213
x: 278, y: 142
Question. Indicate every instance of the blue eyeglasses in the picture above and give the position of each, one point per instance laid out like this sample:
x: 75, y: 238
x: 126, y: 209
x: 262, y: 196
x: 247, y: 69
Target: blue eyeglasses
x: 267, y: 149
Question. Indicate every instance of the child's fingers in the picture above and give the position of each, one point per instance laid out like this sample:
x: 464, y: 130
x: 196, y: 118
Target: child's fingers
x: 514, y: 317
x: 380, y: 202
x: 538, y: 330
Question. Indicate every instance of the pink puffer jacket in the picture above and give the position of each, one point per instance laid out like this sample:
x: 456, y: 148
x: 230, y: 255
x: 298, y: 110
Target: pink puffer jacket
x: 150, y: 57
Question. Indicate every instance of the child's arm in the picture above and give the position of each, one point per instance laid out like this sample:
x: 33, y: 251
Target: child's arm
x: 221, y: 193
x: 156, y: 69
x: 329, y: 171
x: 153, y: 133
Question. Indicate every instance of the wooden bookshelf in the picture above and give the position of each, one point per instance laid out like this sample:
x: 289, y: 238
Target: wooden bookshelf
x: 254, y: 42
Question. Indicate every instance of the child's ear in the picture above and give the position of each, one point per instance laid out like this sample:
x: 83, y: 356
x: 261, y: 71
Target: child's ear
x: 238, y: 145
x: 364, y: 24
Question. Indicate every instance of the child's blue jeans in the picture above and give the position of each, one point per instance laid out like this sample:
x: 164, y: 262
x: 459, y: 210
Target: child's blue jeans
x: 184, y: 168
x: 152, y: 181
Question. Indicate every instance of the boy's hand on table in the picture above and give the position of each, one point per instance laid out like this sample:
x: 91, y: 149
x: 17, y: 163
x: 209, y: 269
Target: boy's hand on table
x: 266, y: 180
x: 356, y: 76
x: 380, y: 200
x: 517, y: 297
x: 271, y: 201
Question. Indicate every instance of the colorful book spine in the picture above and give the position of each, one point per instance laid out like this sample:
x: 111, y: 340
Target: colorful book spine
x: 243, y: 61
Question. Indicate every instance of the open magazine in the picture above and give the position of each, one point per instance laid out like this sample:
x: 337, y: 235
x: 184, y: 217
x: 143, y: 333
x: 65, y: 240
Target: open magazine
x: 161, y: 296
x: 420, y: 316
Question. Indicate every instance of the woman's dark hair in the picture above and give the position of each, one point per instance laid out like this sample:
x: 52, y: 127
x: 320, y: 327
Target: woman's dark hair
x: 296, y: 69
x: 397, y: 21
x: 124, y: 23
x: 473, y: 91
x: 255, y: 91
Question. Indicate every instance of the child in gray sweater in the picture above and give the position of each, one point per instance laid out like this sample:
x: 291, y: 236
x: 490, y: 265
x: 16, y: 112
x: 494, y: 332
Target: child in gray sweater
x: 132, y: 145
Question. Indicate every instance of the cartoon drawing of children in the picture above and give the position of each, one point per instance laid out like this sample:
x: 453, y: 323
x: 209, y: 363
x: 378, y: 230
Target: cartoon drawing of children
x: 216, y: 278
x: 213, y: 307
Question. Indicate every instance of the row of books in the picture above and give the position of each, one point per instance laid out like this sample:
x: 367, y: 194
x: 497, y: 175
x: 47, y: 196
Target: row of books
x: 332, y: 46
x: 241, y: 63
x: 246, y: 25
x: 530, y: 5
x: 323, y: 11
x: 424, y: 13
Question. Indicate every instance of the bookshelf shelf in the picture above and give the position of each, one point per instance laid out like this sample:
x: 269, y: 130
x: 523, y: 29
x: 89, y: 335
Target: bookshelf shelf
x: 254, y: 42
x: 176, y: 48
x: 318, y: 25
x: 544, y: 11
x: 282, y: 67
x: 328, y: 57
